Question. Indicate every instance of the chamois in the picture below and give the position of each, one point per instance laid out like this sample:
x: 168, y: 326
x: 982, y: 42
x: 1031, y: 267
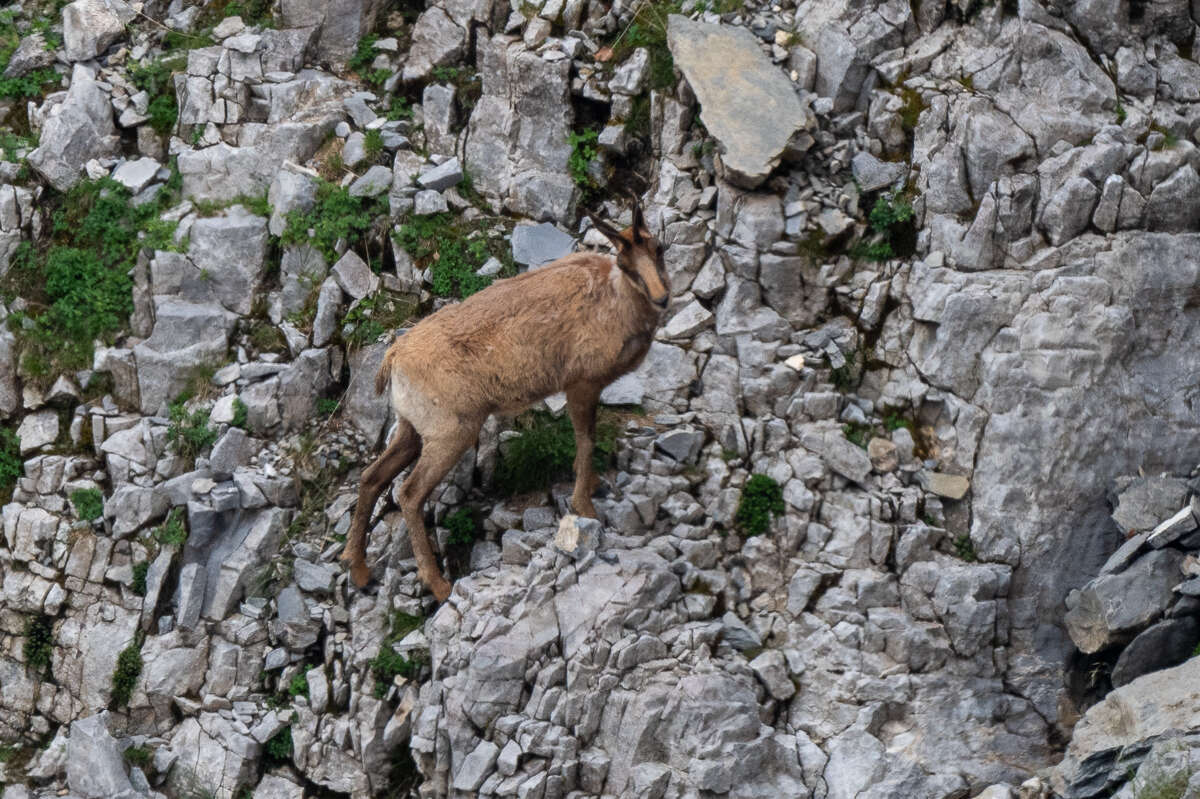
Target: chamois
x: 574, y: 325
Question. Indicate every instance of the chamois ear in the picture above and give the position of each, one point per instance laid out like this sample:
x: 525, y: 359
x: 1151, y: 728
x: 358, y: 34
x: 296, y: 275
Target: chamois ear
x: 614, y: 235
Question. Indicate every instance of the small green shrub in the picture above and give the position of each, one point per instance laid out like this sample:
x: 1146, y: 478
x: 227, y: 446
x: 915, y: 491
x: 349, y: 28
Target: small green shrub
x: 239, y: 413
x: 857, y: 434
x: 33, y: 84
x: 129, y: 668
x: 189, y: 433
x: 762, y: 499
x: 460, y: 249
x: 894, y: 234
x: 965, y: 548
x: 894, y: 420
x: 88, y: 503
x: 138, y: 586
x: 298, y: 686
x: 279, y: 748
x: 139, y: 756
x: 336, y: 215
x: 462, y: 527
x: 387, y: 665
x: 402, y: 625
x: 583, y: 152
x: 545, y: 452
x: 11, y: 464
x: 39, y: 642
x: 172, y: 532
x: 373, y: 144
x: 364, y: 54
x: 326, y: 406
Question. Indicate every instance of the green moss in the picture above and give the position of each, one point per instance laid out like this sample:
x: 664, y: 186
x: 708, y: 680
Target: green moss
x: 88, y: 503
x: 129, y: 668
x: 39, y: 643
x: 138, y: 586
x: 172, y: 532
x: 545, y: 451
x: 762, y: 499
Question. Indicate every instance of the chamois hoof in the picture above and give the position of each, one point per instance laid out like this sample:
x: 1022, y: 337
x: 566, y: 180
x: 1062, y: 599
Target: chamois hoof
x: 437, y: 586
x: 360, y: 574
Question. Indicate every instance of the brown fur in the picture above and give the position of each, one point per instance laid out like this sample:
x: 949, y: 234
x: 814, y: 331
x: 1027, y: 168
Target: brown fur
x: 574, y: 325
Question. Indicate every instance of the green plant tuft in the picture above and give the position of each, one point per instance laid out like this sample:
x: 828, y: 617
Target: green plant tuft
x: 894, y: 234
x: 39, y: 642
x: 88, y: 503
x: 965, y: 548
x: 139, y: 756
x: 857, y: 434
x: 649, y: 29
x: 762, y: 499
x: 129, y: 667
x: 583, y: 152
x: 298, y: 686
x: 239, y: 413
x: 335, y: 216
x: 189, y: 433
x: 545, y: 451
x: 172, y: 532
x: 279, y: 748
x: 138, y: 586
x: 388, y: 664
x: 462, y: 527
x: 11, y: 464
x: 454, y: 250
x: 326, y: 406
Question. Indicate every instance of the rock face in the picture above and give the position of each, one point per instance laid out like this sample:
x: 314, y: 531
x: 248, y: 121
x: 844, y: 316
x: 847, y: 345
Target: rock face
x: 745, y: 102
x: 81, y: 129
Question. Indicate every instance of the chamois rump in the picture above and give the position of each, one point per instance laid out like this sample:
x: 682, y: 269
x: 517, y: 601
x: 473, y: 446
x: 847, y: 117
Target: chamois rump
x: 574, y: 325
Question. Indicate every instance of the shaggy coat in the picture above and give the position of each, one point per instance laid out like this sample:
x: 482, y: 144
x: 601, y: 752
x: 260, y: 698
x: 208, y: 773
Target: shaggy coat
x: 574, y: 325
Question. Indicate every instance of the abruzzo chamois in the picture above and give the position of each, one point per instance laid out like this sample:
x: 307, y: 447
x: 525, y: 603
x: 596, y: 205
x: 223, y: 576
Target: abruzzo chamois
x: 574, y: 325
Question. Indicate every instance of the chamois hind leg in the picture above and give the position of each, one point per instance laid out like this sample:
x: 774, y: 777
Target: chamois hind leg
x: 581, y: 406
x: 400, y: 452
x: 440, y: 451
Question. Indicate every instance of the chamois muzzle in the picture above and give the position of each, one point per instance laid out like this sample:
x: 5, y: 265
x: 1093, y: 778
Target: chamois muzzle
x: 661, y: 302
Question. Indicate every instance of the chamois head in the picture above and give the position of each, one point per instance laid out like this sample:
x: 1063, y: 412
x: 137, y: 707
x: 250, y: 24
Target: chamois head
x: 639, y: 256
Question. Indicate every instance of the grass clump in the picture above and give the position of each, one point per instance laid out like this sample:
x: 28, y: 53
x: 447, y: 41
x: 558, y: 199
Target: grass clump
x: 129, y: 668
x: 965, y: 548
x: 762, y: 499
x: 10, y: 461
x: 39, y: 643
x: 156, y: 79
x: 388, y: 664
x: 374, y: 316
x: 462, y: 527
x: 327, y: 406
x: 172, y: 532
x: 189, y: 433
x: 583, y: 153
x: 138, y: 586
x: 279, y: 748
x: 239, y: 413
x: 454, y: 250
x: 649, y: 29
x: 298, y: 685
x: 88, y: 503
x: 364, y: 55
x: 336, y: 216
x: 373, y: 145
x: 857, y: 434
x: 893, y: 232
x: 545, y: 451
x: 139, y: 756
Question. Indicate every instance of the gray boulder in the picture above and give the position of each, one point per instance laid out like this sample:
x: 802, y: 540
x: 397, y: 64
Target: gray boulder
x: 1166, y: 644
x: 535, y: 245
x: 95, y: 767
x: 1144, y: 502
x: 1174, y: 205
x: 31, y: 54
x: 231, y: 249
x: 1116, y: 606
x: 754, y: 116
x: 81, y: 129
x: 90, y: 26
x: 436, y: 41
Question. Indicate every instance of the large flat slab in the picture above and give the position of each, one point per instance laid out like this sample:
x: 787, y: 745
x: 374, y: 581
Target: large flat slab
x: 746, y: 102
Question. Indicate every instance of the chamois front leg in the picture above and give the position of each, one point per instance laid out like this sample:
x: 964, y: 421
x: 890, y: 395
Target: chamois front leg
x: 400, y: 452
x: 581, y: 405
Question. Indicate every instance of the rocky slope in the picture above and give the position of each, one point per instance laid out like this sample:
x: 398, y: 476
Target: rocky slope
x: 902, y: 502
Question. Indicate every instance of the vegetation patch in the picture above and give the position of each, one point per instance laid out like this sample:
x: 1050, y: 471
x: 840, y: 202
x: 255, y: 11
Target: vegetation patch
x: 189, y: 433
x: 173, y: 531
x: 156, y: 79
x: 388, y: 664
x: 336, y: 216
x: 139, y: 756
x: 11, y: 464
x: 965, y: 548
x: 327, y: 406
x: 583, y: 152
x: 376, y: 315
x: 88, y: 503
x: 279, y: 748
x: 298, y: 685
x: 649, y: 29
x: 239, y: 413
x: 893, y: 232
x: 462, y: 527
x: 857, y: 433
x: 454, y: 250
x: 545, y: 451
x: 762, y: 499
x: 138, y: 585
x: 129, y: 668
x: 39, y: 643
